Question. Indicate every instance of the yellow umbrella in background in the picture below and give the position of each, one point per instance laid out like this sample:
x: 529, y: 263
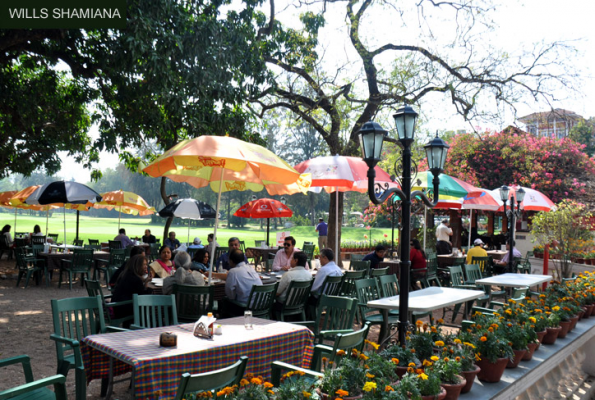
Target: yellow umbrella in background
x: 125, y: 202
x: 226, y: 164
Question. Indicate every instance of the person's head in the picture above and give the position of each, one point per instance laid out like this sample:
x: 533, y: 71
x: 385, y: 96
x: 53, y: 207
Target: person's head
x: 380, y: 250
x: 417, y: 246
x: 165, y: 253
x: 122, y: 231
x: 172, y: 235
x: 147, y: 232
x: 299, y: 259
x: 233, y: 243
x: 320, y: 220
x: 326, y: 256
x: 508, y: 244
x: 445, y: 222
x: 36, y: 229
x: 478, y: 242
x: 197, y: 241
x: 236, y: 256
x: 289, y: 244
x: 182, y: 259
x: 210, y: 237
x: 136, y: 250
x: 201, y: 256
x: 138, y: 265
x: 6, y: 228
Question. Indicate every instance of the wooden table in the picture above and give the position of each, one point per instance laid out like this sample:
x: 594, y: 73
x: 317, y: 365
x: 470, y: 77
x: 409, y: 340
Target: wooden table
x: 497, y: 254
x: 261, y: 253
x: 53, y: 260
x: 448, y: 260
x: 394, y: 267
x: 160, y: 368
x: 424, y: 300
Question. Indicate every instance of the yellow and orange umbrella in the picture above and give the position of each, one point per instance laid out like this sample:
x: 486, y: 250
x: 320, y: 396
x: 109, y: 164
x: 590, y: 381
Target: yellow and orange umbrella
x: 226, y: 164
x: 5, y: 198
x: 125, y: 202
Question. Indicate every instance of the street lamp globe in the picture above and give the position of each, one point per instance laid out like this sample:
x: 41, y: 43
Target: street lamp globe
x: 520, y: 195
x: 283, y: 200
x: 254, y: 197
x: 504, y: 191
x: 405, y: 119
x: 436, y: 151
x: 371, y: 137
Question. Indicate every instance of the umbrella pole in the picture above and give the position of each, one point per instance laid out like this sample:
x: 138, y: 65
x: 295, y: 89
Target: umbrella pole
x: 119, y: 217
x: 188, y: 239
x: 77, y: 224
x: 215, y: 231
x: 15, y: 221
x: 337, y: 223
x: 64, y: 225
x: 425, y: 225
x: 47, y: 218
x: 470, y: 218
x: 268, y: 224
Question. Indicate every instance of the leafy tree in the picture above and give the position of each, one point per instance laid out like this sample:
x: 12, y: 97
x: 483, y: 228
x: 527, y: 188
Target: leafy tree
x: 584, y: 133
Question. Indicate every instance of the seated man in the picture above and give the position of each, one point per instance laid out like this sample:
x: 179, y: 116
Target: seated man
x: 172, y: 242
x: 210, y: 238
x: 222, y: 262
x: 297, y: 273
x: 376, y: 257
x: 238, y: 284
x: 501, y: 266
x: 328, y: 268
x: 122, y: 238
x: 196, y: 244
x: 476, y: 251
x: 282, y: 261
x: 148, y: 238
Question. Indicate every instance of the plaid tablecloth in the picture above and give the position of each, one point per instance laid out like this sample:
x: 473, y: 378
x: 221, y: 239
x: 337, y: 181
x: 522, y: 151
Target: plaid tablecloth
x: 160, y: 368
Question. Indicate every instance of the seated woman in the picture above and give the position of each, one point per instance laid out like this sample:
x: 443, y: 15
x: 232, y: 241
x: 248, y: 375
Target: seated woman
x: 418, y: 263
x: 136, y: 250
x: 36, y: 231
x: 133, y: 280
x: 184, y: 275
x: 200, y: 262
x: 163, y: 266
x: 6, y: 233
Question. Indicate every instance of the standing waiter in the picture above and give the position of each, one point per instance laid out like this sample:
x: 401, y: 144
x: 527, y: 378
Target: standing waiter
x: 443, y: 234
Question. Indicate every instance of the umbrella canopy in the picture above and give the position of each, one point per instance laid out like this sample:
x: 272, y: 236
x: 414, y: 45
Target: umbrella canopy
x: 264, y: 208
x: 5, y: 198
x: 341, y: 174
x: 449, y: 185
x: 17, y: 200
x: 533, y: 201
x: 226, y: 164
x: 188, y: 209
x: 125, y: 202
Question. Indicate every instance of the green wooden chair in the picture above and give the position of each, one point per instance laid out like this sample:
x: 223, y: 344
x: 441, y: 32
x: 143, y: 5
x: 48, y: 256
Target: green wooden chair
x: 93, y: 247
x: 54, y: 237
x: 192, y: 302
x: 74, y: 319
x: 81, y: 263
x: 38, y: 240
x: 219, y: 251
x: 431, y: 278
x: 114, y: 245
x: 308, y: 249
x: 296, y: 300
x: 154, y: 251
x: 31, y: 389
x: 458, y: 281
x: 367, y: 290
x: 243, y: 246
x: 331, y: 287
x: 94, y: 242
x: 346, y: 342
x: 483, y: 263
x: 306, y: 243
x: 360, y: 266
x: 374, y: 272
x: 524, y: 267
x: 78, y: 242
x: 213, y: 380
x: 389, y: 287
x: 154, y: 311
x: 261, y: 300
x: 26, y: 265
x: 94, y: 290
x: 108, y: 267
x: 348, y: 283
x: 355, y: 258
x: 334, y: 315
x: 20, y: 242
x: 518, y: 295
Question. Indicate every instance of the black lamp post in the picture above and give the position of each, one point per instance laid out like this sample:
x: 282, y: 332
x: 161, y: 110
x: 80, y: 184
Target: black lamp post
x: 512, y: 214
x: 372, y: 137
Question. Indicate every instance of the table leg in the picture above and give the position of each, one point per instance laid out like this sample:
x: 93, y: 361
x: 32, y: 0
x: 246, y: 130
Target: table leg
x: 383, y: 335
x: 110, y: 378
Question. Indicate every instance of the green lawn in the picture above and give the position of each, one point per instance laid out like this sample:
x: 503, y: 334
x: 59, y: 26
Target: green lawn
x: 105, y: 229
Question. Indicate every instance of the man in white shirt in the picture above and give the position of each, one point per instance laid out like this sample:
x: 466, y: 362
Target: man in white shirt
x: 282, y: 261
x: 443, y: 234
x: 238, y: 284
x: 328, y: 268
x: 297, y: 273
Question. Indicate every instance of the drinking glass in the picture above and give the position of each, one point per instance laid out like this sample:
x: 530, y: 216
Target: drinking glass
x: 248, y: 319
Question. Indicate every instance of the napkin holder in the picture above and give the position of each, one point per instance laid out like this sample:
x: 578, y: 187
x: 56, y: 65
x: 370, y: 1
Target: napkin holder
x: 201, y: 328
x: 168, y: 339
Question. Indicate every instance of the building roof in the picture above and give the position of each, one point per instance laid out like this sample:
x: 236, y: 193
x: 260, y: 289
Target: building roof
x: 557, y: 113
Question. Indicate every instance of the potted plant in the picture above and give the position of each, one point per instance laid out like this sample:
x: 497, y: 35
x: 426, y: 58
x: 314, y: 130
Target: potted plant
x: 345, y: 378
x: 517, y: 339
x: 402, y: 357
x: 296, y: 388
x: 553, y: 328
x: 465, y: 353
x: 449, y: 371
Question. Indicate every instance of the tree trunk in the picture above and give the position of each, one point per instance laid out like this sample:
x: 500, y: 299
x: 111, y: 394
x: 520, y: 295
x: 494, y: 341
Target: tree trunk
x: 165, y: 198
x: 311, y: 201
x: 455, y: 224
x: 331, y: 225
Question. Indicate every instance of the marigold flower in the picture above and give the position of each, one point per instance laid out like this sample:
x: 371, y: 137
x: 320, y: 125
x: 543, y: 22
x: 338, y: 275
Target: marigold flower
x: 306, y: 394
x: 440, y: 321
x: 409, y: 369
x: 439, y: 343
x: 483, y: 339
x: 342, y: 393
x: 340, y: 352
x: 369, y: 386
x: 244, y: 382
x: 388, y: 388
x: 423, y: 376
x: 457, y: 341
x: 426, y: 363
x: 411, y: 364
x: 457, y: 359
x: 446, y: 359
x: 369, y: 375
x: 256, y: 381
x: 419, y: 323
x: 268, y: 385
x: 434, y: 358
x: 395, y: 361
x: 364, y: 357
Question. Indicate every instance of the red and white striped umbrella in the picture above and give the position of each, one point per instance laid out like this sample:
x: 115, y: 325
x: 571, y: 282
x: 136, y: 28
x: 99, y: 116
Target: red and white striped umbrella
x: 533, y: 201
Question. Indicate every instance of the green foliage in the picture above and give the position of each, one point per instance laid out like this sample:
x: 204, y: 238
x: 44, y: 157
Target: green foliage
x: 584, y: 133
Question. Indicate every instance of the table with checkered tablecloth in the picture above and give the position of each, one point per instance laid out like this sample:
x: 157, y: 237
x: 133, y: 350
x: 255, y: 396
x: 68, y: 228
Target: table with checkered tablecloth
x: 160, y: 368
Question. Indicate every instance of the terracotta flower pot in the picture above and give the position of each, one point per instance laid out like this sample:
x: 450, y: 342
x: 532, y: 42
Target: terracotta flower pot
x: 581, y: 314
x: 491, y: 372
x: 453, y: 390
x: 531, y: 347
x: 540, y: 336
x: 518, y: 356
x: 573, y: 322
x: 565, y: 325
x: 325, y: 396
x: 551, y: 335
x: 402, y: 370
x: 440, y: 396
x: 589, y: 311
x: 470, y: 378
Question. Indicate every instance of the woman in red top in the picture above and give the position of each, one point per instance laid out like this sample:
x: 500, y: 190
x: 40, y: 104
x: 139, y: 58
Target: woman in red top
x: 418, y: 263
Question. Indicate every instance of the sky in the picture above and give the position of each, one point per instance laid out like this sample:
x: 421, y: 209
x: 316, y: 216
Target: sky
x: 520, y: 23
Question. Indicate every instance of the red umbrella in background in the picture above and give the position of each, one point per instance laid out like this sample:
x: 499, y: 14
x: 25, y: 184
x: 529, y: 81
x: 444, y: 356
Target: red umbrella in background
x: 264, y: 208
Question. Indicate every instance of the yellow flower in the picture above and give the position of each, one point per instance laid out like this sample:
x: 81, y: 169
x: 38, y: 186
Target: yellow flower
x: 423, y: 376
x: 256, y: 381
x: 440, y: 321
x: 439, y: 343
x: 369, y: 386
x: 457, y: 341
x: 270, y: 392
x: 374, y: 345
x: 477, y: 357
x: 342, y: 393
x: 411, y: 364
x: 435, y: 358
x: 457, y: 359
x: 395, y: 361
x: 555, y: 308
x: 340, y: 352
x: 469, y: 345
x: 364, y: 357
x: 369, y: 375
x: 306, y: 394
x: 426, y: 363
x: 532, y: 319
x: 419, y: 323
x: 268, y: 385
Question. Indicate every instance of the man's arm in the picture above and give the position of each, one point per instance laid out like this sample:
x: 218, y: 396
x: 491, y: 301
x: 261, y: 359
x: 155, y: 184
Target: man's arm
x: 277, y: 261
x: 230, y: 286
x: 283, y: 284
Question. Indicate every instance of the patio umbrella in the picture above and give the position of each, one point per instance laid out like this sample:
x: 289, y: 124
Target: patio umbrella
x: 17, y: 200
x: 188, y: 209
x: 264, y: 208
x: 69, y: 194
x: 533, y: 201
x: 340, y: 174
x: 125, y: 202
x: 225, y: 164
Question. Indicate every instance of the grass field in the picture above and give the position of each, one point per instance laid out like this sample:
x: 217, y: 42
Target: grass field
x: 105, y: 229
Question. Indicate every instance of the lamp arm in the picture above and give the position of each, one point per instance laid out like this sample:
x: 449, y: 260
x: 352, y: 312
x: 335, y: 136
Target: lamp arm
x: 421, y: 195
x: 375, y: 188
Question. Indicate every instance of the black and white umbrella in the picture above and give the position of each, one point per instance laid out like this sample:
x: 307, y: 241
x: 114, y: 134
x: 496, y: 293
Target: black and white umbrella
x: 188, y: 209
x: 64, y: 192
